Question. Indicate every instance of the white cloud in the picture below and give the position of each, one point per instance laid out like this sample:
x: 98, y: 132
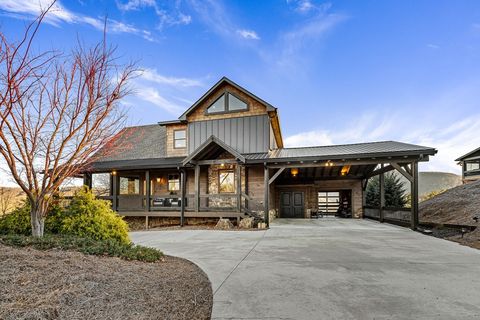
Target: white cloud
x: 248, y: 34
x: 59, y: 14
x: 154, y: 76
x: 218, y: 19
x: 167, y: 17
x: 433, y: 46
x: 153, y: 96
x: 166, y: 92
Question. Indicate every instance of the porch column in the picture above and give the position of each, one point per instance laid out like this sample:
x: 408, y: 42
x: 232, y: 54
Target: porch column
x: 147, y: 190
x: 382, y: 195
x: 238, y: 175
x: 414, y: 196
x: 182, y: 201
x: 114, y: 190
x: 87, y: 180
x: 197, y: 188
x: 267, y: 195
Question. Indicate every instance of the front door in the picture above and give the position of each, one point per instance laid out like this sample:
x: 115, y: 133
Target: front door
x: 291, y: 205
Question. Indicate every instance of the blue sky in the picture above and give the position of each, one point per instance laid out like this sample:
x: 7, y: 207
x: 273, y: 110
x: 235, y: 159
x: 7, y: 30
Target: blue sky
x: 339, y: 72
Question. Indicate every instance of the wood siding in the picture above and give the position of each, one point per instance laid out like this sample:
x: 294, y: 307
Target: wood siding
x: 254, y: 106
x: 171, y: 151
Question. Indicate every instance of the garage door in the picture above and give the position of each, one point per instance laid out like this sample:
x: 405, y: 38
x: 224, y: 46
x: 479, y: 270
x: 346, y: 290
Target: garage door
x: 291, y: 205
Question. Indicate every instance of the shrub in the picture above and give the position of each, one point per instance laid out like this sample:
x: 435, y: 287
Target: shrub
x: 89, y: 246
x: 87, y: 217
x: 17, y: 222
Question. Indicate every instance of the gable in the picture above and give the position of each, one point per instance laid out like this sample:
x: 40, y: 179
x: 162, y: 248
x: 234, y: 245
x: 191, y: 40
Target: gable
x: 221, y: 93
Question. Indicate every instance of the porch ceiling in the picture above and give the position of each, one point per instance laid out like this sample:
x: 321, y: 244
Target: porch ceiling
x: 327, y: 172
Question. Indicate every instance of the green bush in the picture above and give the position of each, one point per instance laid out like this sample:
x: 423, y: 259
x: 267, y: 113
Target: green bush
x: 87, y: 217
x: 17, y: 222
x: 89, y: 246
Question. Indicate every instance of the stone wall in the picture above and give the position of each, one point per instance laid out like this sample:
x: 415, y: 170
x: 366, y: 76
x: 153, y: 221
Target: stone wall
x: 310, y: 193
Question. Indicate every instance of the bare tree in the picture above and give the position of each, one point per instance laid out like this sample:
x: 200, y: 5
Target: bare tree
x: 55, y: 120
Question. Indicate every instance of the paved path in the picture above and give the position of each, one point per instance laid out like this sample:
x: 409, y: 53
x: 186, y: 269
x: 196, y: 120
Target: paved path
x: 330, y: 269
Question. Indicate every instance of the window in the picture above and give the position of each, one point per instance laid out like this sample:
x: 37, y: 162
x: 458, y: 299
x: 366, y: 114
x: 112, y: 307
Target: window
x: 226, y: 181
x: 129, y: 185
x: 218, y: 105
x: 173, y: 182
x: 328, y: 202
x: 227, y: 103
x: 472, y: 166
x: 179, y: 139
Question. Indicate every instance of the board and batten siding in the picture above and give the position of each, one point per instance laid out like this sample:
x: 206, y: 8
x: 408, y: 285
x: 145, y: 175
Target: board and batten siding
x: 244, y: 134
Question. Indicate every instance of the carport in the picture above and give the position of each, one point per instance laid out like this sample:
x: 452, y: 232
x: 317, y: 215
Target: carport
x: 297, y: 176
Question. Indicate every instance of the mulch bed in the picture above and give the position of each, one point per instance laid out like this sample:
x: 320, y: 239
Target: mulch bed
x: 57, y: 284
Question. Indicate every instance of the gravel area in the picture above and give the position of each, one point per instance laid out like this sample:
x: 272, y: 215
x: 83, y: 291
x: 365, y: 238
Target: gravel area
x: 57, y: 284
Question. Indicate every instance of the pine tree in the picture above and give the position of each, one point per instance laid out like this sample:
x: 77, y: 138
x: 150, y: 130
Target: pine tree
x: 394, y: 191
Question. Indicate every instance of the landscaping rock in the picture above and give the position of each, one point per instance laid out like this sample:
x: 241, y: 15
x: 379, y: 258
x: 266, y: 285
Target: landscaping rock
x: 224, y: 224
x: 246, y: 223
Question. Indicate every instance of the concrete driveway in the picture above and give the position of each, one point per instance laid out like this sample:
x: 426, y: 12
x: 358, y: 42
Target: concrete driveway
x: 330, y: 269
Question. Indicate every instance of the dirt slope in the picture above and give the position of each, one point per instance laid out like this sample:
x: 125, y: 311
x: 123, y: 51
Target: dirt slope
x: 455, y: 206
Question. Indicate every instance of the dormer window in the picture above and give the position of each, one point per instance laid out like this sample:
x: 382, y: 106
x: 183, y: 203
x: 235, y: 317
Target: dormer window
x: 227, y: 102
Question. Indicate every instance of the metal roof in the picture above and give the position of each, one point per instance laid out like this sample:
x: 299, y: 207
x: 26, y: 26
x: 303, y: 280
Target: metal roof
x: 471, y: 153
x: 344, y: 151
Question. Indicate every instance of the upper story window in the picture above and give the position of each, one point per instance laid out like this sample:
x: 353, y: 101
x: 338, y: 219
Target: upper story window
x: 179, y: 139
x: 227, y: 102
x: 472, y: 166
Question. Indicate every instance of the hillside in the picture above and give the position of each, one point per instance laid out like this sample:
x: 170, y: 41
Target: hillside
x: 455, y: 206
x: 433, y: 181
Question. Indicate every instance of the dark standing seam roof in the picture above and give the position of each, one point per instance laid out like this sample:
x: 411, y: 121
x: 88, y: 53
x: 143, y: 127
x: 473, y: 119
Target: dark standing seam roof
x: 471, y: 153
x: 135, y: 143
x: 371, y: 149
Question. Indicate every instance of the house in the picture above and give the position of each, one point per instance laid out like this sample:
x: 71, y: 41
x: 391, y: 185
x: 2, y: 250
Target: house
x: 225, y: 157
x: 470, y: 163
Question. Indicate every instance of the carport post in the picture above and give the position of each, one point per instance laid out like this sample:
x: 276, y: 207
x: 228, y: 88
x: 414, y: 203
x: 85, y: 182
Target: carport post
x: 382, y: 195
x: 267, y: 195
x: 414, y: 196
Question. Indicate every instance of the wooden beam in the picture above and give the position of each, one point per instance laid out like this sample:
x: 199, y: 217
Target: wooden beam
x: 402, y: 171
x: 238, y: 176
x: 275, y: 176
x: 183, y: 181
x: 319, y: 163
x: 197, y: 188
x: 210, y: 162
x: 382, y: 195
x: 414, y: 197
x: 383, y: 169
x: 267, y: 196
x: 114, y: 192
x: 148, y: 192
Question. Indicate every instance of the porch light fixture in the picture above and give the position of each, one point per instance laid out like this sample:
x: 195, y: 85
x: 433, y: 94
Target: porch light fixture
x: 345, y: 170
x: 159, y: 180
x: 329, y: 164
x: 114, y: 173
x: 294, y: 172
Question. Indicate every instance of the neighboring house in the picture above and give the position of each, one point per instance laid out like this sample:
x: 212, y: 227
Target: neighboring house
x: 470, y: 166
x: 225, y: 157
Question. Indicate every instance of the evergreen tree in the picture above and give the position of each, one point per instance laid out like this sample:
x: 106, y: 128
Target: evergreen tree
x: 394, y: 191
